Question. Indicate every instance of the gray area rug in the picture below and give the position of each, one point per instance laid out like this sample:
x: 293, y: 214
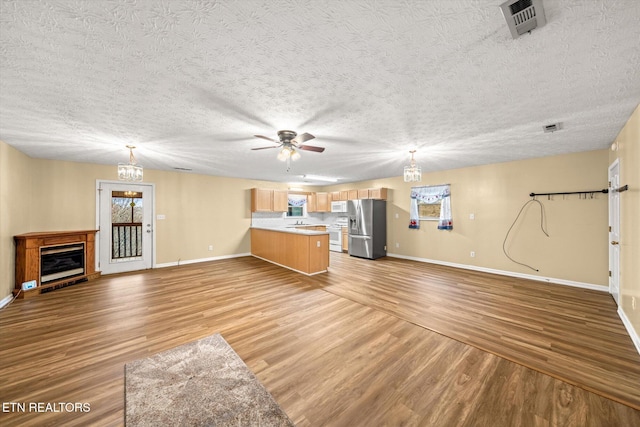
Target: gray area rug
x: 203, y: 383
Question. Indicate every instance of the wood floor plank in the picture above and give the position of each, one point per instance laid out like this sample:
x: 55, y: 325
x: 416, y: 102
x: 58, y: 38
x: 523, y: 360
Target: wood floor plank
x: 570, y: 333
x: 328, y: 359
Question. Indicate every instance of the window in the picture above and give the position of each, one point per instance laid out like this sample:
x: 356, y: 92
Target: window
x: 429, y: 211
x: 297, y: 206
x: 431, y: 203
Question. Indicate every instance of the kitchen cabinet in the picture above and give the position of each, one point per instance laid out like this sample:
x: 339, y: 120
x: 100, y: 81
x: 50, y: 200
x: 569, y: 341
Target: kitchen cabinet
x: 378, y: 193
x: 261, y: 200
x: 304, y: 252
x: 339, y: 196
x: 280, y: 201
x: 312, y: 204
x: 313, y: 227
x: 323, y: 203
x: 345, y: 239
x: 264, y: 200
x: 368, y: 193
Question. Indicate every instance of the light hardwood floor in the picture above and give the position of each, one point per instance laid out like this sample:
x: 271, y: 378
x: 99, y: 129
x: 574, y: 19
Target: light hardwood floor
x: 351, y: 347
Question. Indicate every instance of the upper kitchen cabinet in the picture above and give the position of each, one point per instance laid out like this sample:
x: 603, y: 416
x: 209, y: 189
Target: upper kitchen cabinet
x: 352, y: 195
x: 363, y: 194
x: 312, y: 205
x: 339, y: 195
x: 323, y: 202
x: 280, y: 200
x: 369, y: 193
x: 378, y: 193
x: 263, y: 200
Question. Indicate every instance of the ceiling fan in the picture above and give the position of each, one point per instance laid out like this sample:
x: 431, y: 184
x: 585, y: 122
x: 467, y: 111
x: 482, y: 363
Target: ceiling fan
x: 290, y: 142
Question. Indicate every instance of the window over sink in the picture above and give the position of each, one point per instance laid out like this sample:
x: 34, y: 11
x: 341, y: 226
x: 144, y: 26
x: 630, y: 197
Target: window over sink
x: 297, y: 206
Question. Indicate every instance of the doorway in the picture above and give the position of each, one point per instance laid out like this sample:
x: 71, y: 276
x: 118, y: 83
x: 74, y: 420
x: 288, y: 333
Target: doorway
x: 614, y: 231
x: 125, y: 222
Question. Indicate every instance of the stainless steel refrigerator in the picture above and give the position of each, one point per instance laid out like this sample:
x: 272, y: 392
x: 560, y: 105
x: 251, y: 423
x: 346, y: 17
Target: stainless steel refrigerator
x: 367, y: 228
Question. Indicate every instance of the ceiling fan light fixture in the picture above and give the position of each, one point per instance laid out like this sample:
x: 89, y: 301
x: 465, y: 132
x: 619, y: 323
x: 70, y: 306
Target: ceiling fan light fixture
x: 284, y: 154
x: 288, y: 153
x: 131, y: 171
x: 412, y: 173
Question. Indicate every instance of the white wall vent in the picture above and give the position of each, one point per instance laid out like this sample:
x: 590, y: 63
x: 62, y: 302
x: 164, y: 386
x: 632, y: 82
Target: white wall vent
x: 523, y: 15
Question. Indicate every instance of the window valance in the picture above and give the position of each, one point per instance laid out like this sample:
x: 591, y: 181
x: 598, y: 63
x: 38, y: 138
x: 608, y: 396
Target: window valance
x: 297, y: 200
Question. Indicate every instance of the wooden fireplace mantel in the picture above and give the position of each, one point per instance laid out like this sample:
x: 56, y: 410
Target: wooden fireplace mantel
x: 28, y: 247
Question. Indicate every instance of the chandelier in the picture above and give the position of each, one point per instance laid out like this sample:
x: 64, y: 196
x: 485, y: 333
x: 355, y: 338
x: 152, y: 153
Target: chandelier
x: 412, y: 173
x: 130, y: 171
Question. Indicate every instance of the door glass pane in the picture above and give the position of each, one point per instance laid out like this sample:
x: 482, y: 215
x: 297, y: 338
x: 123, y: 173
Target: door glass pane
x: 126, y: 225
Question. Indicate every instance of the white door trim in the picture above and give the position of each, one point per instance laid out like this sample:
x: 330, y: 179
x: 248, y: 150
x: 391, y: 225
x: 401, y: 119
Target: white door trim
x: 614, y: 230
x: 99, y: 182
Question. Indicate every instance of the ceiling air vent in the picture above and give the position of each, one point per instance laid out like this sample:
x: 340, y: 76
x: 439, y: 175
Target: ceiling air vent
x: 523, y: 15
x: 552, y: 128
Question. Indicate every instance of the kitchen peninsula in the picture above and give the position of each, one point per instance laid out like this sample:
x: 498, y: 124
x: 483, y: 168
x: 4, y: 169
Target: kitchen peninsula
x: 302, y: 250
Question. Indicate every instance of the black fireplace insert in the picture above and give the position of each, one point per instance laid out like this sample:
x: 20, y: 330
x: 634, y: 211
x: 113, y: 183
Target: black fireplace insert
x: 61, y: 262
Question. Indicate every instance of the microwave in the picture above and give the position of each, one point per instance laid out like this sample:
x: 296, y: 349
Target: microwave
x: 339, y: 206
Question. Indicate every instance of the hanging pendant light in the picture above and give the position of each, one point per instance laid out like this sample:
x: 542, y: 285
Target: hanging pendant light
x: 130, y: 171
x: 412, y: 173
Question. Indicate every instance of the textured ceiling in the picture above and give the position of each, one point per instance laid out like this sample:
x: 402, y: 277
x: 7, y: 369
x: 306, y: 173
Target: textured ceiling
x: 190, y: 82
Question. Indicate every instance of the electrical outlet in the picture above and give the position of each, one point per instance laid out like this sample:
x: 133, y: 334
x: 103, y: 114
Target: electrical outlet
x: 472, y: 216
x: 397, y: 216
x: 318, y: 243
x: 210, y: 247
x: 633, y: 302
x: 472, y: 254
x: 397, y: 245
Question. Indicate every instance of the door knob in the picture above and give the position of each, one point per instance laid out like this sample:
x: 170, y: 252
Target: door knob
x: 613, y: 242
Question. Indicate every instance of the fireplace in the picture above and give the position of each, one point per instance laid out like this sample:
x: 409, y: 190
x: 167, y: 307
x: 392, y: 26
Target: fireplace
x: 61, y: 262
x: 54, y: 259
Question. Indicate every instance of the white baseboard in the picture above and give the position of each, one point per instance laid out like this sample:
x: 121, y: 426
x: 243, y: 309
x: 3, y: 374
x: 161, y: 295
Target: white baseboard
x: 630, y: 330
x: 6, y: 300
x: 507, y: 273
x: 193, y: 261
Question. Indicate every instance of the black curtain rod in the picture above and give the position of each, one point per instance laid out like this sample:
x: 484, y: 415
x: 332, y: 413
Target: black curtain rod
x: 604, y: 190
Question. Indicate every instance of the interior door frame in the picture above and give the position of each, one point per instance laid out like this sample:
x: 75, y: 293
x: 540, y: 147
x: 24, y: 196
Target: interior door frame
x: 153, y: 217
x: 614, y: 218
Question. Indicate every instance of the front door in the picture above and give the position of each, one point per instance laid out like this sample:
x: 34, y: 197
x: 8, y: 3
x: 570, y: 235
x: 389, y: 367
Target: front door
x: 125, y: 239
x: 614, y: 231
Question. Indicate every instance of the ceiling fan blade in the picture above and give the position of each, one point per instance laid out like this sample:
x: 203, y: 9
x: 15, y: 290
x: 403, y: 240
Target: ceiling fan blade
x: 302, y: 138
x: 264, y: 148
x: 265, y: 137
x: 311, y: 148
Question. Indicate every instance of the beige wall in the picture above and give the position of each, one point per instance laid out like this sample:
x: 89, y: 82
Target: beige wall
x: 205, y: 210
x: 49, y: 195
x: 15, y: 209
x: 576, y: 250
x: 628, y: 153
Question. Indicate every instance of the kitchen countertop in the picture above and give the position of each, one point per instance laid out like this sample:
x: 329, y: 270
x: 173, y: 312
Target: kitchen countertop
x: 294, y: 230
